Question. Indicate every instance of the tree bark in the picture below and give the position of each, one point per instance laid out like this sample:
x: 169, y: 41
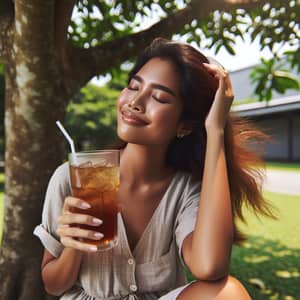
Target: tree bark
x: 35, y: 98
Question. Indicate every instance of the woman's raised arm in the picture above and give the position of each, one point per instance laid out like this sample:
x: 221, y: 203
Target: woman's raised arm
x: 207, y: 250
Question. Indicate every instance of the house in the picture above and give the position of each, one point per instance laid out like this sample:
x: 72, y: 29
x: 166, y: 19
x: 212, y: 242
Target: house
x: 280, y: 117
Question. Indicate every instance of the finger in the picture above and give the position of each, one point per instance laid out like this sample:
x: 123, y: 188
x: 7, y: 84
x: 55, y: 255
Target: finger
x: 214, y: 70
x: 72, y: 218
x: 75, y: 232
x: 222, y: 81
x: 229, y: 90
x: 210, y: 69
x: 75, y: 202
x: 71, y: 243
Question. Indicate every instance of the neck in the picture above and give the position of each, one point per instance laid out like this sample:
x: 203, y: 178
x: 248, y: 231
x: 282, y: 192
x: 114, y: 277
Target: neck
x: 143, y: 163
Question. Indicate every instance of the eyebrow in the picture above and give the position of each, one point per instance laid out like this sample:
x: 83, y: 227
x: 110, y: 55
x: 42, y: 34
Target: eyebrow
x: 155, y: 85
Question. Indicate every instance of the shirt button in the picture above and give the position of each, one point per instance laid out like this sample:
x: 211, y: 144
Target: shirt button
x: 133, y: 287
x: 130, y: 261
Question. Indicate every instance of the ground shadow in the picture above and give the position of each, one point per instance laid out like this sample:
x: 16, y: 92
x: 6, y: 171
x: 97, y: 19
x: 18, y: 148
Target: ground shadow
x: 268, y: 269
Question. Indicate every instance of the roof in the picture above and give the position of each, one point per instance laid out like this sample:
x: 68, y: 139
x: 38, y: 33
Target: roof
x: 279, y: 105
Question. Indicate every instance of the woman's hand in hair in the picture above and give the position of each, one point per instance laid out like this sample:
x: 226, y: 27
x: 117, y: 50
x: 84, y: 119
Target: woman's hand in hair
x: 217, y: 116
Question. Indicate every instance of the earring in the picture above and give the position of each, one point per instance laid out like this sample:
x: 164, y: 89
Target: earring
x: 180, y: 135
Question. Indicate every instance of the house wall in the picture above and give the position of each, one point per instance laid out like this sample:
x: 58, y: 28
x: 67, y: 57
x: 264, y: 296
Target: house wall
x: 283, y: 127
x: 284, y: 131
x: 296, y: 137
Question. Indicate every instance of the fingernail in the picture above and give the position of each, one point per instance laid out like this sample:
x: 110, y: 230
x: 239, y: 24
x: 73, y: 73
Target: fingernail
x: 85, y: 205
x: 98, y: 235
x: 93, y: 248
x: 97, y: 221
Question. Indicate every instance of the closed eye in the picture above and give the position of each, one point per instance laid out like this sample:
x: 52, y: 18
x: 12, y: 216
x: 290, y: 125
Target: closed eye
x: 131, y: 88
x: 160, y: 100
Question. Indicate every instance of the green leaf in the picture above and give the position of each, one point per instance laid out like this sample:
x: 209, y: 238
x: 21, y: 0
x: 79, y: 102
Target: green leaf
x: 229, y: 48
x: 281, y: 84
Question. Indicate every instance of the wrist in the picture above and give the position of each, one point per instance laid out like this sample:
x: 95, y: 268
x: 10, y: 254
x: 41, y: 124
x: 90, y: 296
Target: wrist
x: 71, y: 252
x: 215, y: 133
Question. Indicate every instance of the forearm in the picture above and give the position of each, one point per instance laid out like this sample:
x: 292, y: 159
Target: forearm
x: 211, y: 242
x: 61, y: 273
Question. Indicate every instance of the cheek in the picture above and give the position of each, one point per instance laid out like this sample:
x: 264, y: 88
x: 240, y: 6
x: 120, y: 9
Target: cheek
x: 166, y: 122
x: 167, y: 115
x: 121, y: 99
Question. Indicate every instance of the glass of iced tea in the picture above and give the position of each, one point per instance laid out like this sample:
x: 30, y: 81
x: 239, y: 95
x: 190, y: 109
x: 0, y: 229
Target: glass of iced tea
x: 95, y: 179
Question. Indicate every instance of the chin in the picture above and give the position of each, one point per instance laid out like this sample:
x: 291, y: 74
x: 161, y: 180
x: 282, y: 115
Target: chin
x: 133, y: 138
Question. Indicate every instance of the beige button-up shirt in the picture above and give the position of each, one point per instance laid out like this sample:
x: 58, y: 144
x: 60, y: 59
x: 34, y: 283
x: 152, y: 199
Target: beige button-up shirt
x: 152, y: 269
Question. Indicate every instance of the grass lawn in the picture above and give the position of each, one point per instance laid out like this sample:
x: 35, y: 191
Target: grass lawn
x: 281, y: 166
x: 269, y: 262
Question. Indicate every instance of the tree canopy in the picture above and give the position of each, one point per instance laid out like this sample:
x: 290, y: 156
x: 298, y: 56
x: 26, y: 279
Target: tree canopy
x: 216, y: 25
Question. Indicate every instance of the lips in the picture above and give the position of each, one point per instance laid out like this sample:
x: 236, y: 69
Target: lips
x: 131, y: 119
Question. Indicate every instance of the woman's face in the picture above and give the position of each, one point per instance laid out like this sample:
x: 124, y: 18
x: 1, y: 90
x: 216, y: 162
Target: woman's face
x: 149, y: 108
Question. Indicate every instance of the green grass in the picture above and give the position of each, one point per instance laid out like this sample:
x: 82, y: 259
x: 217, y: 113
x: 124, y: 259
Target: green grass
x: 268, y: 264
x: 244, y: 101
x: 281, y: 166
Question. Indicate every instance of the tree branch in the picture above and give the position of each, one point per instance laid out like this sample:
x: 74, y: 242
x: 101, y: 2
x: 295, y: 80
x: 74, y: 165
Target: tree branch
x: 63, y: 12
x: 100, y: 59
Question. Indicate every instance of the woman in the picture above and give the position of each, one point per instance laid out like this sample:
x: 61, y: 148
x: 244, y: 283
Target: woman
x: 177, y: 139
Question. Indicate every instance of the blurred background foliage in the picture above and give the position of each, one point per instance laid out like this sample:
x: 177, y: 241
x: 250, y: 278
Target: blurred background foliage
x: 91, y: 117
x: 91, y: 114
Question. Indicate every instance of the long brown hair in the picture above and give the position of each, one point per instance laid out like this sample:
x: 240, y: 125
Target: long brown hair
x: 197, y: 89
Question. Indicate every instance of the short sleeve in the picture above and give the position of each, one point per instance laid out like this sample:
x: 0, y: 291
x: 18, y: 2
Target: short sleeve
x: 186, y: 217
x: 58, y: 189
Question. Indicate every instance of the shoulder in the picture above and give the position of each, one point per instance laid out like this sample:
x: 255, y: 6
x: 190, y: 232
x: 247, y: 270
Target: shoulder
x: 60, y: 178
x: 61, y: 172
x: 187, y: 183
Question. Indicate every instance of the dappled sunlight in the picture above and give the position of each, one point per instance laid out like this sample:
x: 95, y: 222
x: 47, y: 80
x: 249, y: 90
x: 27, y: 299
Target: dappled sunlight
x: 287, y: 274
x: 267, y: 268
x: 256, y: 259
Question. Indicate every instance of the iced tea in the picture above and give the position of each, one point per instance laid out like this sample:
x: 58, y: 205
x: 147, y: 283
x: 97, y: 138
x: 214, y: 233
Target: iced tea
x: 98, y: 185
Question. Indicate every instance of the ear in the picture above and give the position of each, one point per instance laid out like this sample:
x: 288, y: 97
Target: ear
x: 183, y: 129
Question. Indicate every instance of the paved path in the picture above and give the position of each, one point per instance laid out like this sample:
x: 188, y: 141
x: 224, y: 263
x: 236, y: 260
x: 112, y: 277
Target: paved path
x: 283, y: 182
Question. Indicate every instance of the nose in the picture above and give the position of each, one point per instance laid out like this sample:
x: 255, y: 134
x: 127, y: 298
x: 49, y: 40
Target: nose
x: 136, y: 104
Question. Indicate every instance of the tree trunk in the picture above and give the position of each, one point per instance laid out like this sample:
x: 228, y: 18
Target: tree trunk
x: 34, y: 99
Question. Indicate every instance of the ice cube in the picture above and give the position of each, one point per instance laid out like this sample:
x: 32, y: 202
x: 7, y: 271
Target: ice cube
x: 86, y: 164
x: 100, y: 162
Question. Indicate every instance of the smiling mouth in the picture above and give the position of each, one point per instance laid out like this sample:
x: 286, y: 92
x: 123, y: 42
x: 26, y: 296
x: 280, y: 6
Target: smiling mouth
x: 131, y: 119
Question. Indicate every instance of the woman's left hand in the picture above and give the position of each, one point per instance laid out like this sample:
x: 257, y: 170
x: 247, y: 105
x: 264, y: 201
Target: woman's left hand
x: 217, y: 116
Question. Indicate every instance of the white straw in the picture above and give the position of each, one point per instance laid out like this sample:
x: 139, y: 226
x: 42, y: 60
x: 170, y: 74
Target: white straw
x: 71, y: 142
